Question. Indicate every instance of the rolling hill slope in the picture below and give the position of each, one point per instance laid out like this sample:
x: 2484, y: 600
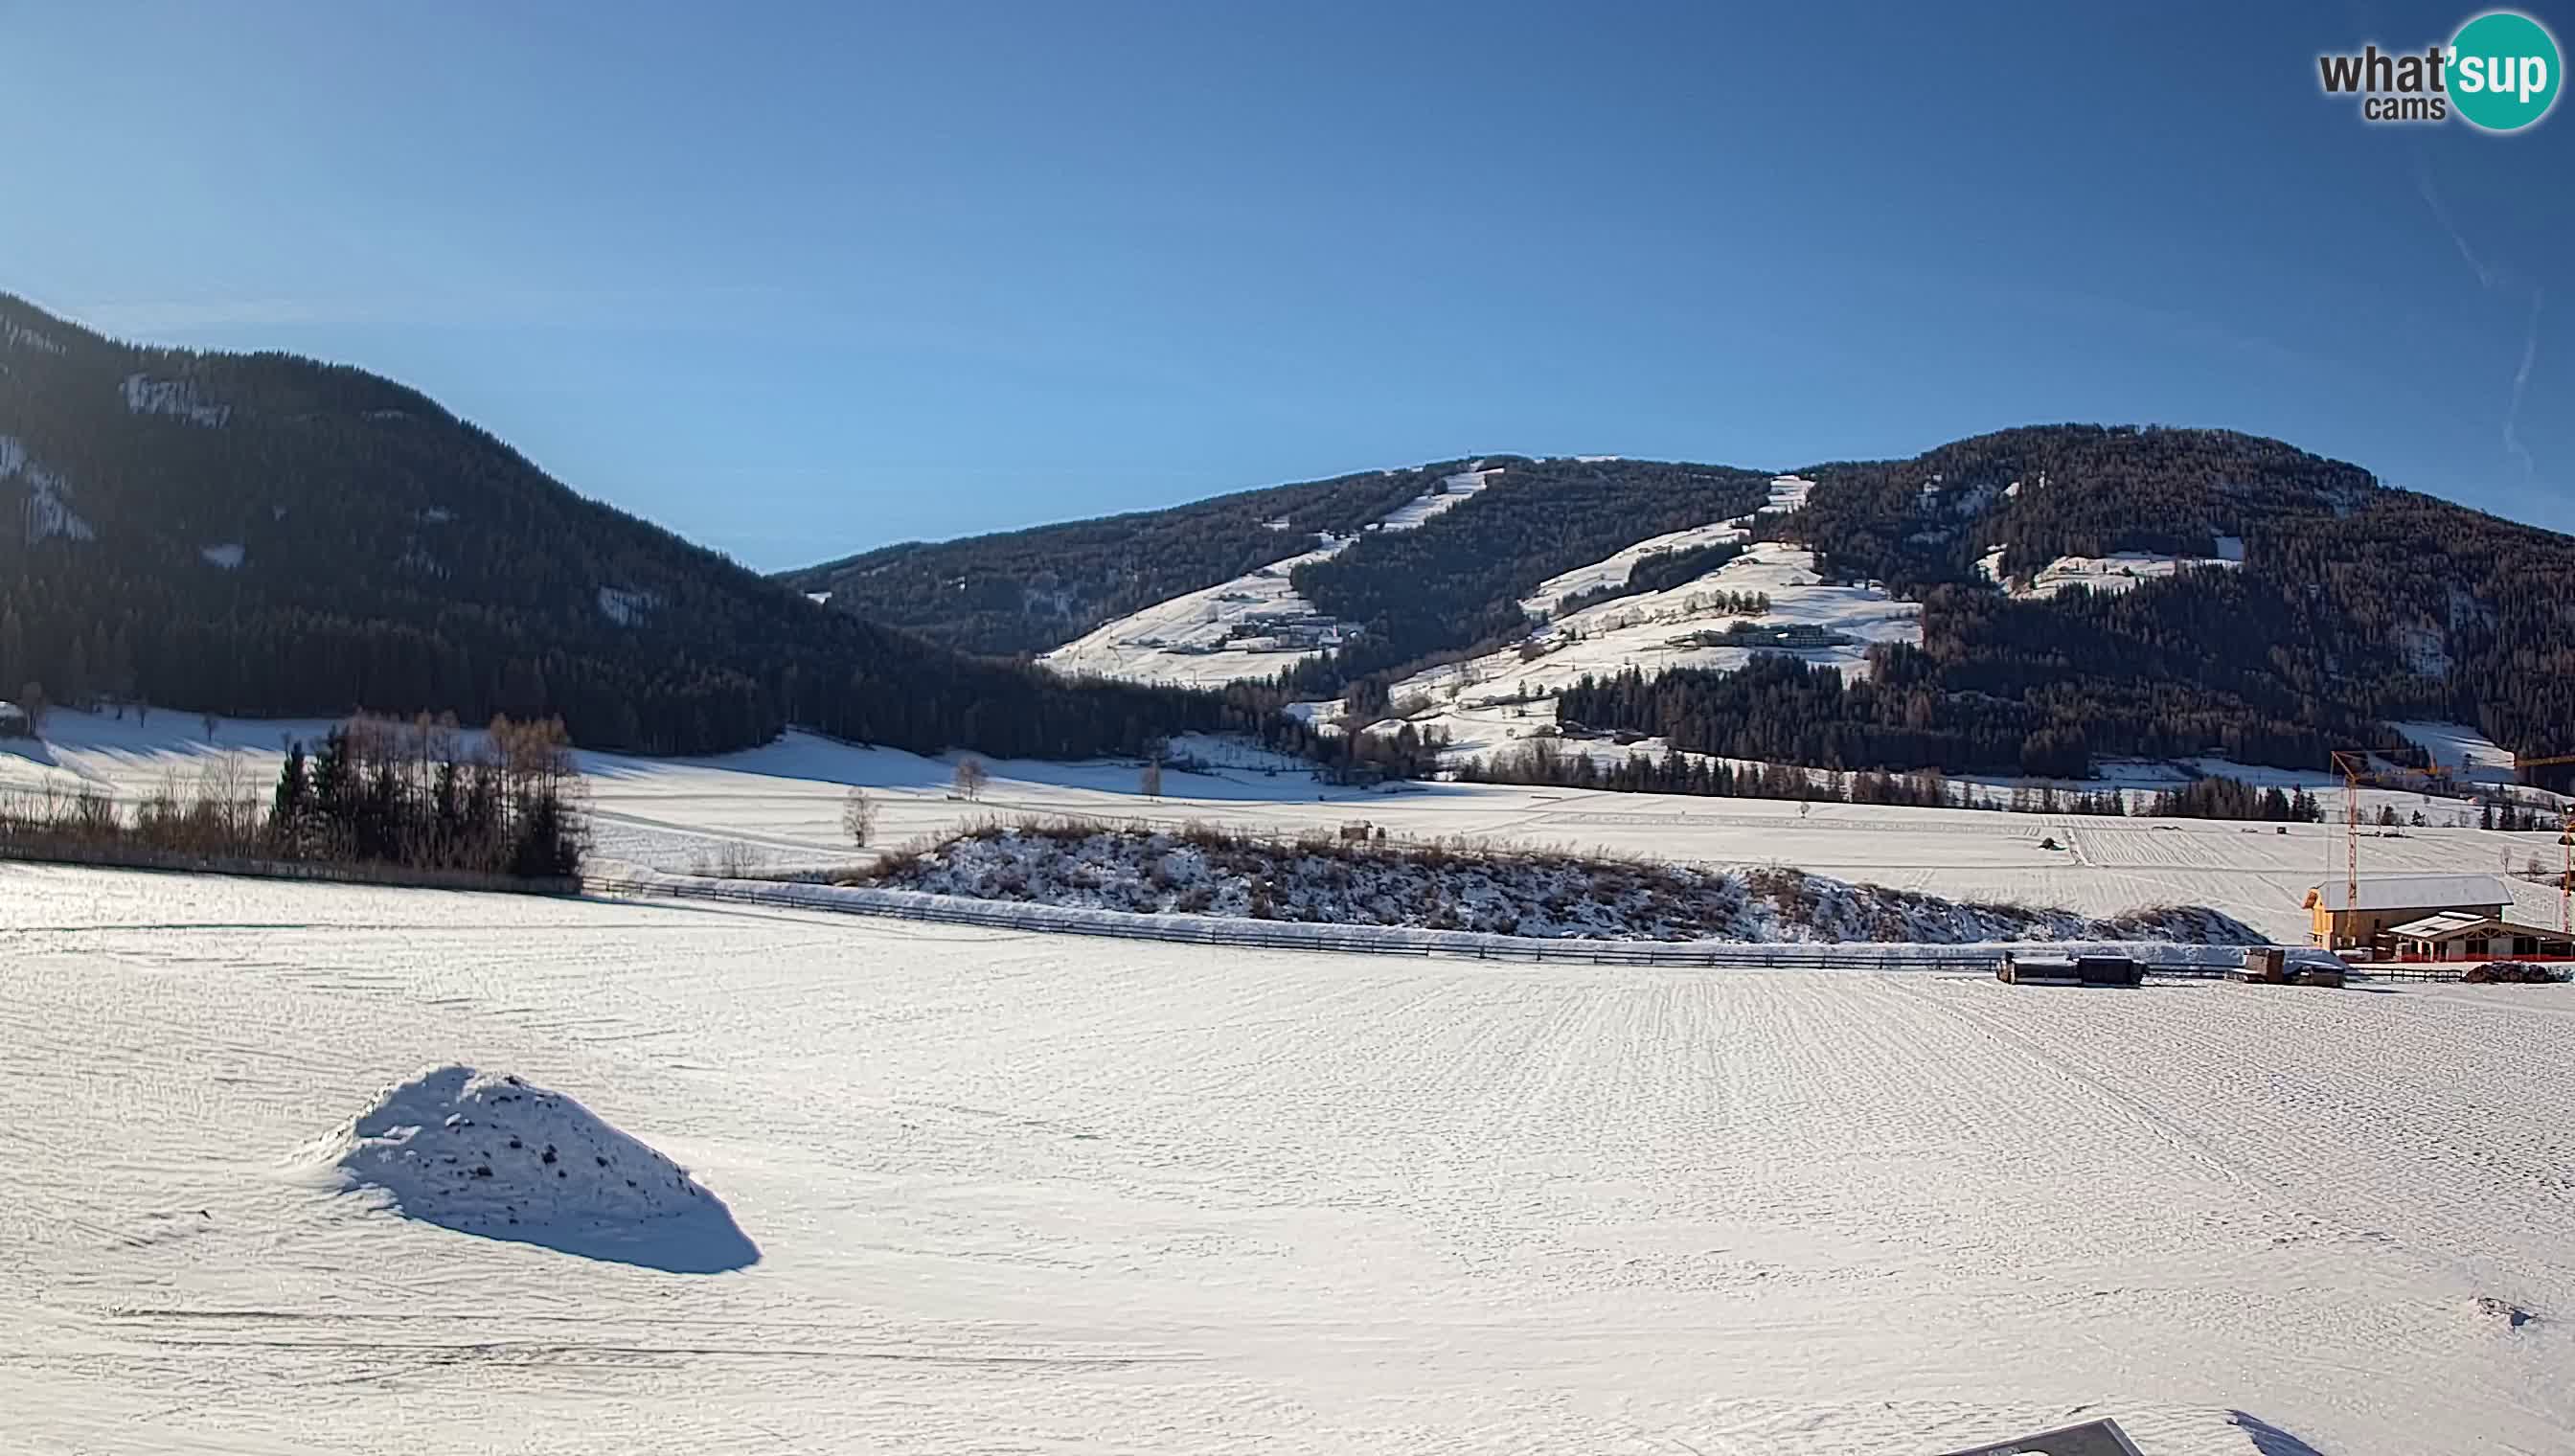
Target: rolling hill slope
x: 264, y: 534
x: 2078, y: 591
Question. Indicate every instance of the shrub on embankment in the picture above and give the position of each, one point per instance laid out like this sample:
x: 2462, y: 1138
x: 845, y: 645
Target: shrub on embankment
x: 1460, y: 885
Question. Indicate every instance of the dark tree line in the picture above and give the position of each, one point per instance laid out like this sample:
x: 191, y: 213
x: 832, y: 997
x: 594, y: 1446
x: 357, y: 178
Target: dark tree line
x: 2233, y: 799
x: 372, y: 793
x: 1547, y: 761
x: 377, y: 792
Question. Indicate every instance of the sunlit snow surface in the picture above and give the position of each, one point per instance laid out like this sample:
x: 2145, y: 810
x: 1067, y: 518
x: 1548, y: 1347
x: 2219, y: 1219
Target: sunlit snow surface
x: 1047, y: 1193
x: 779, y: 807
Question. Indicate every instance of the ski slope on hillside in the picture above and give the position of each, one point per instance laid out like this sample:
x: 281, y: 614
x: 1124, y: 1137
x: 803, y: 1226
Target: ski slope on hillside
x: 1659, y: 632
x: 1012, y: 1192
x: 1615, y: 570
x: 1255, y: 625
x: 2107, y: 575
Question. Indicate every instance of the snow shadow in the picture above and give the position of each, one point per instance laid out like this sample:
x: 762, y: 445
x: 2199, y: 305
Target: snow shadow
x: 2269, y: 1439
x: 34, y: 751
x: 706, y: 1242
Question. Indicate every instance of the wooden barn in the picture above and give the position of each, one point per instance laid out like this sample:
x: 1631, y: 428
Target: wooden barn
x: 2463, y: 936
x: 2343, y: 921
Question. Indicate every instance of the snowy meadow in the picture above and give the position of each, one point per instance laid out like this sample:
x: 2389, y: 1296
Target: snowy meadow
x: 1011, y: 1191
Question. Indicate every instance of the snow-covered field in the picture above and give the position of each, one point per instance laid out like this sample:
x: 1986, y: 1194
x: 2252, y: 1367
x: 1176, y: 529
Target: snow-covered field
x: 1011, y: 1192
x: 779, y: 807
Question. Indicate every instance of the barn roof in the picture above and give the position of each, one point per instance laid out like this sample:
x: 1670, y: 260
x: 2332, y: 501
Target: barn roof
x: 2413, y: 892
x: 2451, y: 923
x: 2446, y: 924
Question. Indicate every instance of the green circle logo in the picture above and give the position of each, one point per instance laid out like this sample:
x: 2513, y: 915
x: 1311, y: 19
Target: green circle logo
x: 2504, y: 71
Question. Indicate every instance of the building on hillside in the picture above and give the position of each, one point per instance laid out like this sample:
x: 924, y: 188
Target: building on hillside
x: 2341, y: 921
x: 14, y: 722
x: 2460, y: 935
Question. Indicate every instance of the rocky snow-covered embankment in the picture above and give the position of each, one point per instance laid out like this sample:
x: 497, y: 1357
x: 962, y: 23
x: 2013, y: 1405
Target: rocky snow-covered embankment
x: 1203, y: 872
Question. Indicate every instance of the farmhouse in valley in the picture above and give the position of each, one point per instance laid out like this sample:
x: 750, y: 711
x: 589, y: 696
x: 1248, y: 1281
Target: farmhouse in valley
x: 2342, y: 920
x: 2461, y: 935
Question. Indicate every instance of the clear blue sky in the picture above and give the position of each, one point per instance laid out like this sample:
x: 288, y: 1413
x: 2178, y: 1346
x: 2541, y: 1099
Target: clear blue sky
x: 799, y: 279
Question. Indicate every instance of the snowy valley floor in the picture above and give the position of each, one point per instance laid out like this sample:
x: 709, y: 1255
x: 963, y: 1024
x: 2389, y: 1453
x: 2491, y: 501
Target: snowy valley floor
x: 1021, y: 1193
x: 779, y: 807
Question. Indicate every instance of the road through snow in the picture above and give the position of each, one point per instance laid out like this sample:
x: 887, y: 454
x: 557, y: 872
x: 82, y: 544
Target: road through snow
x: 1022, y: 1193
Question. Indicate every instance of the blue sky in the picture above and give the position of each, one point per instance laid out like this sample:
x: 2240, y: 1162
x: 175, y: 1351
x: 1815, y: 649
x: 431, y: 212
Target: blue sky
x: 796, y: 280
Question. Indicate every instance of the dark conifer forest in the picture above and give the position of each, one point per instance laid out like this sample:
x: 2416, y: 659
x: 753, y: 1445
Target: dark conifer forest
x: 263, y: 534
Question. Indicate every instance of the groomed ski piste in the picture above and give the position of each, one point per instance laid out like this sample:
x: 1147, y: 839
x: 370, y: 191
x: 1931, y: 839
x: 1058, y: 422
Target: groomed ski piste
x: 984, y: 1189
x: 1212, y: 636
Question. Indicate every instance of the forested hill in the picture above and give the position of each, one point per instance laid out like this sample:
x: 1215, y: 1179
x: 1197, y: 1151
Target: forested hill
x: 1024, y: 592
x: 2330, y: 605
x: 2313, y: 606
x: 2354, y: 600
x: 1449, y: 583
x: 264, y: 535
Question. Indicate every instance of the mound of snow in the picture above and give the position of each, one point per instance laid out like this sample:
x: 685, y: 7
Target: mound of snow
x: 491, y: 1154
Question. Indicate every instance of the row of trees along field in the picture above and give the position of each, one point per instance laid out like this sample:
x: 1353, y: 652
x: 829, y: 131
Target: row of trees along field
x: 413, y: 794
x: 1550, y: 761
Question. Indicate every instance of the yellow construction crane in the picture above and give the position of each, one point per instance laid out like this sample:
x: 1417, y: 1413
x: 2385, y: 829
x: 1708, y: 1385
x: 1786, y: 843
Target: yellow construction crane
x: 2565, y: 842
x: 2356, y: 764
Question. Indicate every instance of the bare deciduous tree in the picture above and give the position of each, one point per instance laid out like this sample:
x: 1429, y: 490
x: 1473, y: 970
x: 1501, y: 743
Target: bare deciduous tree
x: 859, y: 817
x: 972, y: 776
x: 1150, y: 779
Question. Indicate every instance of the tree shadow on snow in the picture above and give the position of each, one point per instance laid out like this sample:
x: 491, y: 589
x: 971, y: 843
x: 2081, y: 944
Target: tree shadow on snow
x: 2269, y: 1439
x: 34, y: 751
